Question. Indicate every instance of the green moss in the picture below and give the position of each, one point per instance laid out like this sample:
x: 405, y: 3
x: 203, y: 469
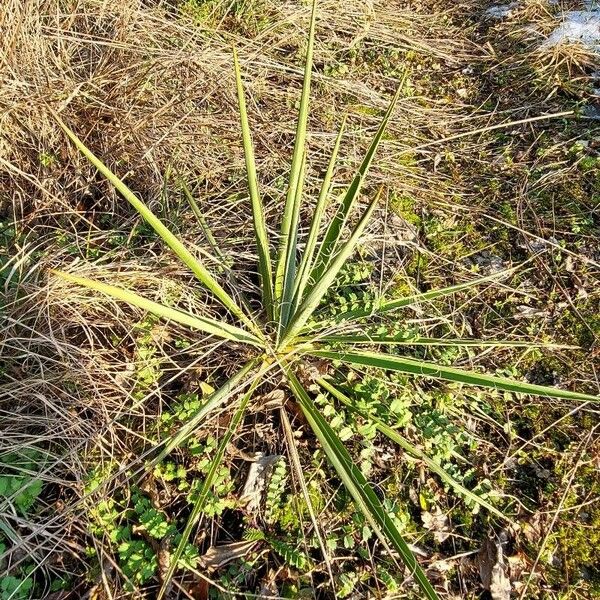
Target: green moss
x: 508, y: 212
x: 581, y: 327
x: 406, y: 207
x: 576, y: 542
x: 453, y: 236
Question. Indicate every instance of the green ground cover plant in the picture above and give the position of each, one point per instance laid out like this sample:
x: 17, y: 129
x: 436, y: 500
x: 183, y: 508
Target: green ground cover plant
x: 20, y: 488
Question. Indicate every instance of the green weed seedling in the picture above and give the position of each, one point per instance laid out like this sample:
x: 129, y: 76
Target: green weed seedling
x: 289, y: 334
x: 134, y: 527
x: 20, y: 488
x: 15, y: 588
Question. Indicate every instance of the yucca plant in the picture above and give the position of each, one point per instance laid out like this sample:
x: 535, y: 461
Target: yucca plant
x: 289, y: 332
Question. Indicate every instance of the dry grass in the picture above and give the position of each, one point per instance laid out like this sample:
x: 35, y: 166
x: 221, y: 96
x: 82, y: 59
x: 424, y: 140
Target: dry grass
x: 151, y: 90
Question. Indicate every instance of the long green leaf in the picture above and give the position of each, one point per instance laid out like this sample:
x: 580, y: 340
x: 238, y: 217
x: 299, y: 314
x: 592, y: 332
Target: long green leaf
x: 315, y: 225
x: 207, y: 485
x: 331, y: 240
x: 387, y: 306
x: 381, y: 305
x: 203, y: 275
x: 286, y: 304
x: 403, y: 340
x: 315, y: 295
x: 289, y: 225
x: 212, y: 326
x: 258, y: 214
x: 427, y: 369
x: 393, y: 435
x: 365, y: 498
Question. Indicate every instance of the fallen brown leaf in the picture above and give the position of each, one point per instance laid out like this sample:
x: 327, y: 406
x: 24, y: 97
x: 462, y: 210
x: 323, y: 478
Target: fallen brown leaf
x: 438, y: 523
x: 218, y: 556
x: 492, y: 570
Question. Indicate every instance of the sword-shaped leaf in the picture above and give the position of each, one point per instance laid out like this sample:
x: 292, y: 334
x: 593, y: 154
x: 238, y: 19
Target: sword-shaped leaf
x: 393, y: 435
x: 287, y: 305
x: 211, y: 326
x: 315, y: 225
x: 365, y: 499
x: 202, y: 274
x: 331, y: 240
x: 437, y: 371
x: 224, y: 262
x: 404, y: 340
x: 258, y: 213
x: 315, y: 295
x: 286, y: 264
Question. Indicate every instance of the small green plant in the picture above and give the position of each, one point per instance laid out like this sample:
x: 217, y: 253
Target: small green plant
x: 47, y: 159
x: 20, y: 488
x: 15, y: 588
x: 133, y: 525
x: 293, y: 332
x: 275, y: 491
x: 217, y: 498
x: 291, y: 555
x: 138, y: 560
x: 19, y: 483
x: 147, y: 363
